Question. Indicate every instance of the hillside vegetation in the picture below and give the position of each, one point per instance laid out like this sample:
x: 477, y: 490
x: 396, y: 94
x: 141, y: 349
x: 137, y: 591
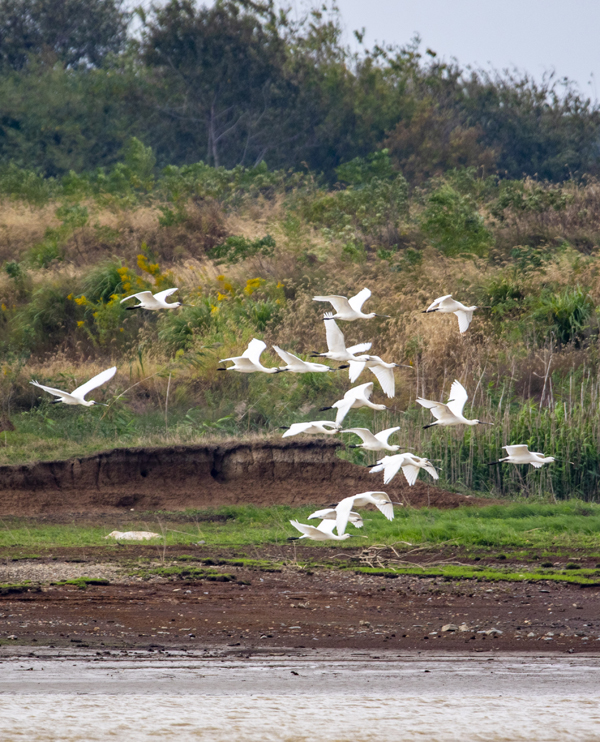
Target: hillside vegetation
x: 248, y: 249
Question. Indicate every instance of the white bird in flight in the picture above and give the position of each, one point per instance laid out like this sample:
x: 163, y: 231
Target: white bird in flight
x: 249, y: 361
x: 322, y: 532
x: 298, y: 366
x: 354, y: 398
x: 410, y: 464
x: 447, y: 305
x: 343, y: 509
x: 317, y: 427
x: 373, y: 442
x: 522, y: 455
x: 336, y: 345
x: 450, y: 413
x: 77, y: 396
x: 330, y: 514
x: 349, y: 309
x: 383, y: 371
x: 151, y: 301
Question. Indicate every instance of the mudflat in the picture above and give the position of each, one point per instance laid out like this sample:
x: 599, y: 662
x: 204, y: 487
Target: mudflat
x: 248, y: 606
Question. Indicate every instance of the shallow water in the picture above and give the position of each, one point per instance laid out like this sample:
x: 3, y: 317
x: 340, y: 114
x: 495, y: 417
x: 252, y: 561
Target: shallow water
x: 334, y: 697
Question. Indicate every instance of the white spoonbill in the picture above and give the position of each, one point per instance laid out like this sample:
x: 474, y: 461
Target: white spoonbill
x: 322, y: 532
x: 522, y: 455
x: 349, y: 309
x: 380, y: 499
x: 384, y: 372
x: 331, y: 515
x: 77, y: 396
x: 410, y: 465
x: 317, y: 427
x: 336, y: 345
x: 373, y: 442
x: 354, y: 398
x: 298, y: 366
x: 249, y: 361
x: 447, y: 305
x: 151, y: 301
x: 450, y: 413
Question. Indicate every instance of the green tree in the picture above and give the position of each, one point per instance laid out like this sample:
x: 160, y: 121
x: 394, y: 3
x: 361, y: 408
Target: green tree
x: 74, y: 32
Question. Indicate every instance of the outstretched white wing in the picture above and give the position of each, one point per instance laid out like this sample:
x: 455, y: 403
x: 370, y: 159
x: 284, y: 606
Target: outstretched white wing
x: 458, y: 398
x: 309, y: 531
x: 411, y: 472
x: 360, y: 348
x: 430, y: 469
x: 162, y: 295
x: 438, y: 409
x: 383, y: 435
x: 326, y: 526
x: 365, y: 434
x: 357, y: 301
x: 437, y: 302
x: 385, y: 376
x: 464, y: 319
x: 94, y: 382
x: 343, y: 408
x: 382, y: 503
x: 254, y: 350
x: 290, y: 359
x: 343, y: 509
x: 50, y: 389
x: 296, y: 429
x: 339, y: 303
x: 355, y: 371
x: 335, y: 337
x: 141, y: 295
x: 361, y: 390
x: 390, y: 466
x: 516, y: 450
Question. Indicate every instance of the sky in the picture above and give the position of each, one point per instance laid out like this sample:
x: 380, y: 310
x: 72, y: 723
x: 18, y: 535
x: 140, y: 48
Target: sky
x: 536, y: 36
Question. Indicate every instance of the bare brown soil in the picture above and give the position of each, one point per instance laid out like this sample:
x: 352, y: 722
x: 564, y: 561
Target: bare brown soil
x: 317, y: 607
x: 180, y: 477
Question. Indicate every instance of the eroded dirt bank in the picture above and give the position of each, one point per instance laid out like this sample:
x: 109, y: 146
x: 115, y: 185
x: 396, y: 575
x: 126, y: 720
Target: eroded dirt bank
x: 261, y: 608
x: 179, y: 477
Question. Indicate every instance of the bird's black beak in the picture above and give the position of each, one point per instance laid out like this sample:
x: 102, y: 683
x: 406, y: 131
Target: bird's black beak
x: 322, y: 409
x: 482, y: 422
x: 387, y: 316
x: 222, y: 369
x: 283, y: 427
x: 353, y: 445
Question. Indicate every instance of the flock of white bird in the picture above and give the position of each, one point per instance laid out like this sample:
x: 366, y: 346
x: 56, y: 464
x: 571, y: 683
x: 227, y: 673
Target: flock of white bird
x: 356, y: 360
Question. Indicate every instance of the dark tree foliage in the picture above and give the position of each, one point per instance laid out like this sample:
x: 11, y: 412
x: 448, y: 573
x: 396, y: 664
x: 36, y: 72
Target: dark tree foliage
x: 74, y: 32
x: 221, y: 76
x: 241, y: 82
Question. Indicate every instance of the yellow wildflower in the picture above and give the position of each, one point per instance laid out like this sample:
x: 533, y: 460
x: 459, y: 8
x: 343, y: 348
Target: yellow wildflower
x: 81, y: 300
x: 280, y: 285
x: 221, y: 278
x: 81, y: 323
x: 70, y: 297
x: 221, y: 296
x: 3, y: 307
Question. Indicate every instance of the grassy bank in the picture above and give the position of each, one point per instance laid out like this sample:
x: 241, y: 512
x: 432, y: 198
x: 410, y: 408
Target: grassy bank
x: 248, y: 250
x: 537, y: 528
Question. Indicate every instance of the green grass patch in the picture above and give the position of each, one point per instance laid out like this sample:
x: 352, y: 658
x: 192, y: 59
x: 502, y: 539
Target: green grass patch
x: 19, y: 587
x: 452, y: 572
x: 186, y: 573
x: 82, y: 582
x: 543, y: 529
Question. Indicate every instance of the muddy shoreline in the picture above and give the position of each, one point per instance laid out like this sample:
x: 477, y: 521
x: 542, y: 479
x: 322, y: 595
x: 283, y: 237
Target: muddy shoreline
x: 249, y: 609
